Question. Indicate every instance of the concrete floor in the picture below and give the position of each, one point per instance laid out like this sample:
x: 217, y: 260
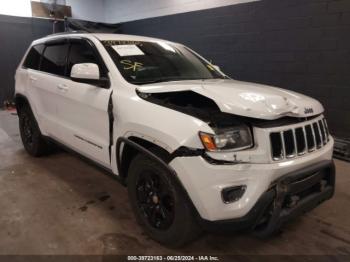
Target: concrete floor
x: 62, y: 205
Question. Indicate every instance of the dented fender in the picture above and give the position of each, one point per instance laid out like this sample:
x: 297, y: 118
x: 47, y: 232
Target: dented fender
x: 157, y: 124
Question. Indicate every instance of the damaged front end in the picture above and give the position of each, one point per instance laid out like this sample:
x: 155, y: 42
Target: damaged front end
x: 230, y: 132
x: 287, y: 157
x: 234, y: 137
x: 193, y: 104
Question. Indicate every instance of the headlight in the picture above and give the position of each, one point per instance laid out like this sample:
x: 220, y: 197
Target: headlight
x: 229, y: 139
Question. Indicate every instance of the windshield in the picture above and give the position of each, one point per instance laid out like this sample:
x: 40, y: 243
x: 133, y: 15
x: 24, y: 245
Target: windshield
x: 152, y: 62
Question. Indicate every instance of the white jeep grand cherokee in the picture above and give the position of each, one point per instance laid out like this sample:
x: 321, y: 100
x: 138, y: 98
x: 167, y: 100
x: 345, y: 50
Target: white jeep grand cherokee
x: 196, y: 149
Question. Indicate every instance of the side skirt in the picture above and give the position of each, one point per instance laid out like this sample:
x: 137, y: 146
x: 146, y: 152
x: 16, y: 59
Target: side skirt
x: 105, y: 170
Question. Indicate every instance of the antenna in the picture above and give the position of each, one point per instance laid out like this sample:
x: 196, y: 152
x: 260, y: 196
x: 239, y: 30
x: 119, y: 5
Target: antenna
x: 55, y: 8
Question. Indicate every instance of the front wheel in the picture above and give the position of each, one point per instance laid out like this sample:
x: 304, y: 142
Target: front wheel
x: 159, y: 203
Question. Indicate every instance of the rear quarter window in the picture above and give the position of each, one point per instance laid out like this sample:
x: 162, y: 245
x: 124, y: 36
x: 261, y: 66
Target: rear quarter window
x: 33, y: 58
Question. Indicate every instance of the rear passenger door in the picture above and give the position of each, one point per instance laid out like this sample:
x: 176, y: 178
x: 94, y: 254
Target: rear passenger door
x: 82, y: 109
x: 44, y: 79
x: 32, y: 65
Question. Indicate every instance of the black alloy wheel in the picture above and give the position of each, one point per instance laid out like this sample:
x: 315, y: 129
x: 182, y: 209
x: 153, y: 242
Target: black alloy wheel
x: 27, y: 130
x: 155, y: 200
x: 160, y: 204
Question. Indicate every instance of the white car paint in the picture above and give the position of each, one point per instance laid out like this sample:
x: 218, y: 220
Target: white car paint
x: 74, y: 113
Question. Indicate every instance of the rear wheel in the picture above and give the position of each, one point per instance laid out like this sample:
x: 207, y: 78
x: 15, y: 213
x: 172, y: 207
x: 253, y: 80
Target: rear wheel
x: 159, y: 203
x: 32, y: 139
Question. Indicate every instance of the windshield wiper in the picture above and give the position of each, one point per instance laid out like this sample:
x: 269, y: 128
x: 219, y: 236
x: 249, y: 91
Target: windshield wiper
x: 161, y: 80
x: 153, y: 81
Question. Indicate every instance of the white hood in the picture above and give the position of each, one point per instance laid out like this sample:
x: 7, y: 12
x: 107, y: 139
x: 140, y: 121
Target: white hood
x: 245, y: 99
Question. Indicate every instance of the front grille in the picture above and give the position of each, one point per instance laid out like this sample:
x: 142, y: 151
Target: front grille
x: 298, y: 141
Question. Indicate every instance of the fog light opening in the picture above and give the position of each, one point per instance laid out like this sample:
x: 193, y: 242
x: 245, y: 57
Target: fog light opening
x: 233, y: 194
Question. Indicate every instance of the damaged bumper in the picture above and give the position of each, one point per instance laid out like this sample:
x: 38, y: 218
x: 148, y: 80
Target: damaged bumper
x: 289, y: 197
x: 284, y: 188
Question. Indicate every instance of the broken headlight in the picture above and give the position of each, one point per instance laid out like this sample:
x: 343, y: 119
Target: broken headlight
x: 228, y: 139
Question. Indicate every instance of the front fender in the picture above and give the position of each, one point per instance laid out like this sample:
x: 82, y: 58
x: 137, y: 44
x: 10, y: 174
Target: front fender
x: 165, y: 127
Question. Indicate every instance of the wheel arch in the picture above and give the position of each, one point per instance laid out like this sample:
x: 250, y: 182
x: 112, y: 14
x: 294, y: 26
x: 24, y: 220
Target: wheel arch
x: 138, y: 145
x: 21, y: 100
x: 128, y: 148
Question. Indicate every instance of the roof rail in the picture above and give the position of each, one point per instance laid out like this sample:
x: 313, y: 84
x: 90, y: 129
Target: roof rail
x: 69, y: 33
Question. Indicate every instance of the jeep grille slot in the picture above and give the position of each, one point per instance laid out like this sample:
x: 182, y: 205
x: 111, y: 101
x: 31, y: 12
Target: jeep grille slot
x: 277, y: 147
x: 317, y: 135
x: 289, y: 143
x: 298, y: 141
x: 323, y: 132
x: 326, y: 129
x: 310, y: 138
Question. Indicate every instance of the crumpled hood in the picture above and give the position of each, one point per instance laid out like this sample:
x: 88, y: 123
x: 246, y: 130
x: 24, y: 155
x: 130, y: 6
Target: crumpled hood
x: 245, y: 99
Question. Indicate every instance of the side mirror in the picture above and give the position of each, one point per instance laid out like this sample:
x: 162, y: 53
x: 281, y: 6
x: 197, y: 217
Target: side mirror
x: 87, y: 73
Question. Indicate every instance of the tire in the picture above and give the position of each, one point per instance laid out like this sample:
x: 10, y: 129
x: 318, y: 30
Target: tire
x: 160, y: 205
x: 32, y: 139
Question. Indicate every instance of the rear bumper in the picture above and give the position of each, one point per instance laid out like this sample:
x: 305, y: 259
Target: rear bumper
x: 289, y: 196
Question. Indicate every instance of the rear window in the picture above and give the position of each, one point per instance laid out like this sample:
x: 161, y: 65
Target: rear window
x: 54, y: 59
x: 33, y: 58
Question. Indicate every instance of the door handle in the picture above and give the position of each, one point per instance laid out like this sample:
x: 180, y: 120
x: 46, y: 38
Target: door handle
x: 62, y: 87
x: 33, y: 79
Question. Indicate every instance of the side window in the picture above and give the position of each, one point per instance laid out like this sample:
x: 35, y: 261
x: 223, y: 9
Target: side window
x: 32, y: 60
x: 54, y: 59
x: 81, y: 52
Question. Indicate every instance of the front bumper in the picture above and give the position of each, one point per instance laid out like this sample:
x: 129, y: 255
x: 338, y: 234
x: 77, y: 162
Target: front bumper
x: 204, y: 182
x: 288, y: 197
